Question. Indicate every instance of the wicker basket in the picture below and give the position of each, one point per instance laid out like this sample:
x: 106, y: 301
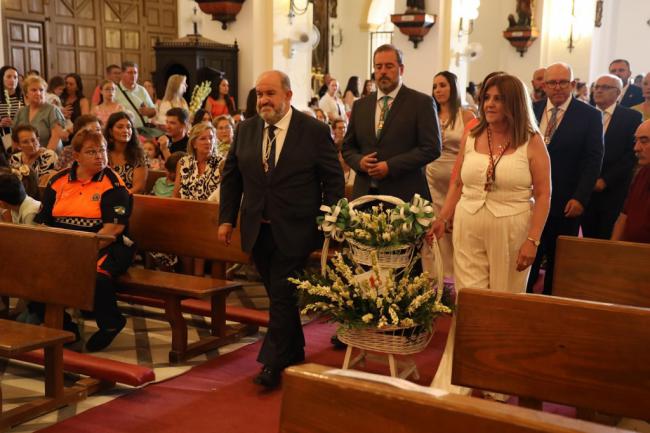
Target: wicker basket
x: 395, y: 257
x: 396, y: 341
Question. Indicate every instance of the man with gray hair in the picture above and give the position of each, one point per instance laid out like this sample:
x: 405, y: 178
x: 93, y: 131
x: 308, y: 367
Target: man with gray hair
x: 619, y: 125
x: 573, y: 133
x: 285, y: 166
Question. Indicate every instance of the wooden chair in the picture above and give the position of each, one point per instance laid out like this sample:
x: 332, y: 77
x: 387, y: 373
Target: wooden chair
x: 185, y: 228
x: 152, y: 177
x: 603, y: 271
x: 544, y: 348
x: 315, y: 402
x: 32, y: 267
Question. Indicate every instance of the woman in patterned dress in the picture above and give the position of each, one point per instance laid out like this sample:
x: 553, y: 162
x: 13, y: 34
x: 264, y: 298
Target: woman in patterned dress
x: 42, y: 161
x: 198, y: 176
x: 125, y: 154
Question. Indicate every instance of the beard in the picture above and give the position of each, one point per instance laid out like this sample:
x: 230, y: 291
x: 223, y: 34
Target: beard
x: 270, y: 114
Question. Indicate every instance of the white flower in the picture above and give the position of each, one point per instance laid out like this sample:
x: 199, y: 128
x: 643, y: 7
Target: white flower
x: 367, y: 318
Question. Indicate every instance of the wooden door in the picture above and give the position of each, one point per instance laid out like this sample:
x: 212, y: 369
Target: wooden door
x: 74, y: 40
x: 26, y: 48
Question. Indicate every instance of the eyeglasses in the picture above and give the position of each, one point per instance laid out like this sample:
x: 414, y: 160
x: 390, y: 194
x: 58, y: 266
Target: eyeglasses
x: 563, y: 84
x: 95, y: 152
x: 604, y: 87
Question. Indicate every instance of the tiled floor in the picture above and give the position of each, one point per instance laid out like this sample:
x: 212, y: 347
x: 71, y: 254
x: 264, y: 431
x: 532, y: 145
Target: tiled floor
x: 145, y: 340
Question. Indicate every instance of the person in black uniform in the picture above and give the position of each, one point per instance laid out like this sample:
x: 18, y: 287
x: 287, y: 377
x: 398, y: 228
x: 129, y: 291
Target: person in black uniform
x: 89, y: 196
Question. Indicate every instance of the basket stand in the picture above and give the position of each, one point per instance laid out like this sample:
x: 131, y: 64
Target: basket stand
x: 398, y: 368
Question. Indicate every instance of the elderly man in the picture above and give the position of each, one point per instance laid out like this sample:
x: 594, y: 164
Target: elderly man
x: 633, y: 224
x: 538, y: 85
x: 133, y: 96
x: 619, y: 125
x: 285, y: 166
x: 573, y: 133
x: 631, y: 94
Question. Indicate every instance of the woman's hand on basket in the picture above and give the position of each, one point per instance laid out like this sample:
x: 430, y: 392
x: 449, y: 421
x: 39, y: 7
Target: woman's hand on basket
x: 437, y: 229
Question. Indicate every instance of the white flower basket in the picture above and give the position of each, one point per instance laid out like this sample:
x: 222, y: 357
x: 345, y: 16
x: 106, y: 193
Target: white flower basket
x: 391, y: 340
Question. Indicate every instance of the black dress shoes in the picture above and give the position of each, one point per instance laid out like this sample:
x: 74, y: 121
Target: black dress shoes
x: 269, y: 377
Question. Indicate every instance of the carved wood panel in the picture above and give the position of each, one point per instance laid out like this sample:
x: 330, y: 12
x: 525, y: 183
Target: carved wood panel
x: 85, y: 36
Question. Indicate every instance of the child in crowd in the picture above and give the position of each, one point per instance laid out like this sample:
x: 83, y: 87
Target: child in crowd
x: 164, y: 186
x: 154, y: 157
x: 13, y: 198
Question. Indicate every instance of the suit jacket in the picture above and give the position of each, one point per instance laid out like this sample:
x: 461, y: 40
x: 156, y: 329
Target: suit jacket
x: 619, y: 159
x: 576, y: 152
x: 409, y: 140
x: 307, y: 174
x: 633, y: 96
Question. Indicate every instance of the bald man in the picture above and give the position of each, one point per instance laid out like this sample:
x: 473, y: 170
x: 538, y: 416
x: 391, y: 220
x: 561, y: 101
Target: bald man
x: 619, y: 124
x: 573, y: 133
x: 633, y: 224
x: 284, y: 165
x: 538, y: 85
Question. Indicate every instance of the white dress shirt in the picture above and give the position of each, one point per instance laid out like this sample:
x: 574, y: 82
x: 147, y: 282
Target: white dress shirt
x: 607, y: 115
x: 282, y: 126
x: 391, y: 99
x: 547, y: 115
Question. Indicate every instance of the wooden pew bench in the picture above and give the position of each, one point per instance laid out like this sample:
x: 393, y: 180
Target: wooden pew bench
x: 590, y: 355
x: 603, y: 271
x: 185, y: 228
x: 31, y: 268
x: 315, y: 402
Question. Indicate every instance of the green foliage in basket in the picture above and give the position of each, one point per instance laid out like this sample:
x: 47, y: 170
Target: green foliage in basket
x: 378, y: 298
x: 377, y: 226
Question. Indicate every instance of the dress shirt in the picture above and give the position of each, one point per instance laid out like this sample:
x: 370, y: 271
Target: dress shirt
x: 282, y: 126
x: 620, y: 97
x: 547, y: 115
x: 391, y: 99
x: 607, y: 115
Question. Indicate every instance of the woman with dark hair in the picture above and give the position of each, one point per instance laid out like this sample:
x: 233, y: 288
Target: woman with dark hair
x: 125, y: 154
x: 351, y: 93
x: 74, y: 102
x: 220, y: 102
x: 452, y: 124
x: 202, y: 116
x: 368, y: 88
x: 55, y: 88
x: 11, y: 100
x: 500, y: 201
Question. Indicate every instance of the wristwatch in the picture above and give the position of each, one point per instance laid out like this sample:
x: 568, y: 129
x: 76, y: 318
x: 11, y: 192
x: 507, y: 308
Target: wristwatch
x: 534, y: 241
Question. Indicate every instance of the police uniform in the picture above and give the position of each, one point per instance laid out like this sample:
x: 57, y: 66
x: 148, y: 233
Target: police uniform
x: 70, y: 203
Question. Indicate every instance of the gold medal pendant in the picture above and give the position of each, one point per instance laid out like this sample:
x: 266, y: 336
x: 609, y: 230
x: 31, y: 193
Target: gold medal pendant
x: 265, y: 165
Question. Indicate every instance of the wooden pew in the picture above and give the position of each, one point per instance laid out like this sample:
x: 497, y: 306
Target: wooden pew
x: 313, y: 402
x: 27, y: 271
x: 185, y: 228
x: 152, y: 177
x: 603, y: 271
x: 544, y: 348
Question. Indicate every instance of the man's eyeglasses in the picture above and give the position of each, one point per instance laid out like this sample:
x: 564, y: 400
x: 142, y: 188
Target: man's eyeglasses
x: 604, y: 87
x: 562, y: 84
x: 95, y: 152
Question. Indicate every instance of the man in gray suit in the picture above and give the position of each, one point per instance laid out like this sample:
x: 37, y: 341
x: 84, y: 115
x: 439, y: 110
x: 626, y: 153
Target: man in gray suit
x: 393, y: 134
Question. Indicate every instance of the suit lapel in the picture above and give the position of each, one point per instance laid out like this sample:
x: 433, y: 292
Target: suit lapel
x: 393, y: 112
x: 372, y: 107
x: 566, y: 122
x: 611, y: 128
x: 290, y: 140
x: 258, y: 139
x: 539, y: 111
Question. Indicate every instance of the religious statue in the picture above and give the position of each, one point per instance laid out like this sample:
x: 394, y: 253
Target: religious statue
x: 524, y: 14
x: 414, y: 6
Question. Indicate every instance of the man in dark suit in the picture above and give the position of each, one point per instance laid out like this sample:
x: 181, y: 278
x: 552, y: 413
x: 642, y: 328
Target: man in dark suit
x: 619, y: 124
x: 285, y: 166
x: 573, y: 133
x: 631, y: 94
x: 393, y: 134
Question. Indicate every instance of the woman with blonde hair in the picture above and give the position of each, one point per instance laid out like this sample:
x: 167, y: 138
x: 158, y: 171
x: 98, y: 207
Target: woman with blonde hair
x: 176, y: 88
x: 198, y: 176
x: 500, y: 201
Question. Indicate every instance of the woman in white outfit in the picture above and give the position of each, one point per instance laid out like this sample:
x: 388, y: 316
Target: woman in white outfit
x: 501, y: 200
x: 452, y: 125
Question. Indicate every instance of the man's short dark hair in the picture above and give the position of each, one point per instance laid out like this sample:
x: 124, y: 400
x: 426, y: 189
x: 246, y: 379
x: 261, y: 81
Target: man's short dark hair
x: 109, y: 68
x: 620, y: 61
x: 393, y: 48
x: 129, y: 64
x: 12, y: 190
x: 181, y: 114
x: 21, y: 128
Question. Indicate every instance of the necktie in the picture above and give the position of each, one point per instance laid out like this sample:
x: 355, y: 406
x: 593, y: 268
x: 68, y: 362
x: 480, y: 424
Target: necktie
x: 606, y: 119
x: 269, y: 153
x: 383, y: 114
x: 552, y: 126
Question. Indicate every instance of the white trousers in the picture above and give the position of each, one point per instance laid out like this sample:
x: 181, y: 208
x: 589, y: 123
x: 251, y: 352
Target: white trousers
x: 485, y: 257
